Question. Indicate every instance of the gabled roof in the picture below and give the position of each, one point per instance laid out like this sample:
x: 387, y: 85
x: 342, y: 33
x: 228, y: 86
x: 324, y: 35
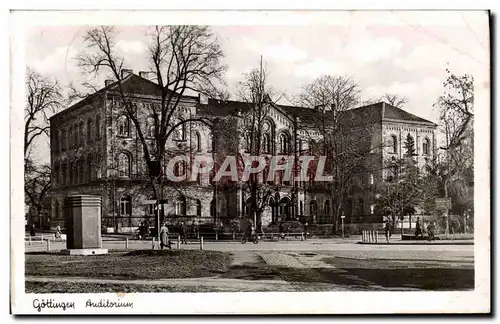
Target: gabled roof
x: 384, y: 111
x: 370, y: 113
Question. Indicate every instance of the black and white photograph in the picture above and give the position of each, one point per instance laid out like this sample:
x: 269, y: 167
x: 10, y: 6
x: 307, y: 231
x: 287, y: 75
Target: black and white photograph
x: 297, y: 160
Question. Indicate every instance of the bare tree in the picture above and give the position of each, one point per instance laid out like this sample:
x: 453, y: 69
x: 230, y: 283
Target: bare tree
x: 456, y: 107
x: 395, y: 100
x: 37, y: 185
x: 255, y: 92
x: 43, y: 98
x: 182, y: 59
x: 345, y: 135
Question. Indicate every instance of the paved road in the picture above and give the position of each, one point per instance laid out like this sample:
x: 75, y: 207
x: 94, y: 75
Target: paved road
x: 319, y: 265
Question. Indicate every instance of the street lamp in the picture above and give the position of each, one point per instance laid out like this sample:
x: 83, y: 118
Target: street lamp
x: 342, y: 218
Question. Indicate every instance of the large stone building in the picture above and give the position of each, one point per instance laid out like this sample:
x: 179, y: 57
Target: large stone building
x: 95, y: 150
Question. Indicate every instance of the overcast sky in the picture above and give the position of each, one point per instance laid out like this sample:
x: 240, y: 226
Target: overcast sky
x: 404, y: 53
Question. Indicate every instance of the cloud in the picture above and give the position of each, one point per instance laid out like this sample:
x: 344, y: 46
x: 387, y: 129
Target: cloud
x: 316, y: 68
x: 284, y: 51
x: 131, y: 46
x: 61, y: 59
x: 374, y: 49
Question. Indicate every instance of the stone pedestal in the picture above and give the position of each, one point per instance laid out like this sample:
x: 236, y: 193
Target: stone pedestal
x: 83, y: 225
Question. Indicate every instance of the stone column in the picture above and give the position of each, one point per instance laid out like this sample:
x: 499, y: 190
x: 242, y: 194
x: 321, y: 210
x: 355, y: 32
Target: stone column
x: 83, y: 225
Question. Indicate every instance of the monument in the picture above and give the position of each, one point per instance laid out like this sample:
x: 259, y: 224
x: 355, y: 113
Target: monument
x: 82, y: 215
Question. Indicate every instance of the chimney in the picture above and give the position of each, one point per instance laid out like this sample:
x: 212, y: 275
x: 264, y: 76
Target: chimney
x: 202, y: 99
x: 126, y: 72
x: 107, y: 82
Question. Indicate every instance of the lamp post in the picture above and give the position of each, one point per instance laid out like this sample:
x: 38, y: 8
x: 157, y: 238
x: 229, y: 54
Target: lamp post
x: 342, y: 218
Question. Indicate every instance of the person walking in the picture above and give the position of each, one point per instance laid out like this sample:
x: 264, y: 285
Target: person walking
x: 164, y: 242
x: 418, y: 229
x: 387, y: 231
x: 305, y: 231
x: 183, y: 233
x: 58, y: 233
x: 33, y: 230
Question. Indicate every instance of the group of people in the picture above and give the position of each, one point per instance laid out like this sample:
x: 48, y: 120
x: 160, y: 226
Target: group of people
x: 164, y: 232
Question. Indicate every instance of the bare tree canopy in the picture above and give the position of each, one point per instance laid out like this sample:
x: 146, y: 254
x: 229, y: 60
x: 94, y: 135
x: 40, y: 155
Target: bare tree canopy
x: 395, y: 100
x: 182, y: 59
x: 331, y: 93
x: 456, y: 107
x: 43, y: 97
x: 254, y: 90
x: 345, y: 135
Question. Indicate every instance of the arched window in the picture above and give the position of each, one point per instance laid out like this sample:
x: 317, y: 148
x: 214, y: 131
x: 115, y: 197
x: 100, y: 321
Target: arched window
x: 394, y: 144
x: 90, y: 171
x: 266, y: 143
x: 197, y: 141
x: 57, y: 170
x: 123, y: 126
x: 80, y: 132
x: 75, y: 135
x: 124, y: 165
x: 98, y: 127
x: 151, y: 208
x: 327, y: 208
x: 198, y: 207
x: 151, y: 131
x: 180, y: 131
x: 285, y: 208
x: 248, y: 142
x: 180, y: 206
x: 74, y: 172
x: 284, y: 141
x: 426, y: 146
x: 64, y: 140
x: 63, y: 174
x: 125, y: 206
x: 81, y: 170
x: 89, y: 130
x: 180, y: 168
x: 98, y: 166
x: 361, y: 206
x: 150, y: 127
x: 70, y: 136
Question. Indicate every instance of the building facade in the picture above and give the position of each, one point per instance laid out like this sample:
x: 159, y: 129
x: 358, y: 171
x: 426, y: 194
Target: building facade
x: 95, y: 150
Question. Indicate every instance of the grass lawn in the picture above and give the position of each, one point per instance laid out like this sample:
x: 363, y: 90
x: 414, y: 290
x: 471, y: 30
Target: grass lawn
x: 457, y: 236
x: 138, y: 264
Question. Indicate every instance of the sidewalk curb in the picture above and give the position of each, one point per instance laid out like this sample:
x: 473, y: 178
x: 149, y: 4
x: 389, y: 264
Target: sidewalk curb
x: 416, y: 243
